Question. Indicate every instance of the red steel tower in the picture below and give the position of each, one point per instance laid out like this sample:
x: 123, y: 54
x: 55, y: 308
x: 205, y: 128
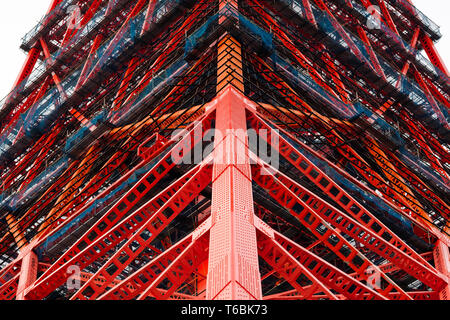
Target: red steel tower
x: 225, y: 149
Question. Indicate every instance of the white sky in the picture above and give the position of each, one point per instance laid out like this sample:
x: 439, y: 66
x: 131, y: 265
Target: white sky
x: 17, y: 17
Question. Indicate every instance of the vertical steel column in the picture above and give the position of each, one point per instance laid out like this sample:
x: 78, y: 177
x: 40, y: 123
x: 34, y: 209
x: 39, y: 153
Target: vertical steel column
x: 233, y: 269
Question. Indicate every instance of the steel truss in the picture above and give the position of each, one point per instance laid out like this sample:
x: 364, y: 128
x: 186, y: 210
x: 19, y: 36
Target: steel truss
x: 129, y: 167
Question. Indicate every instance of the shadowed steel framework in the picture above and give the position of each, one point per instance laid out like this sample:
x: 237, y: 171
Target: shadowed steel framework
x: 225, y: 149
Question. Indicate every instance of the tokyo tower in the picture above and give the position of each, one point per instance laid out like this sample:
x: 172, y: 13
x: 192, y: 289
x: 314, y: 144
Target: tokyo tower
x: 227, y: 150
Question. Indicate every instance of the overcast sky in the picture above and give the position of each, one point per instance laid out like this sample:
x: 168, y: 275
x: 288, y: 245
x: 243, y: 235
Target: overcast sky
x: 17, y: 17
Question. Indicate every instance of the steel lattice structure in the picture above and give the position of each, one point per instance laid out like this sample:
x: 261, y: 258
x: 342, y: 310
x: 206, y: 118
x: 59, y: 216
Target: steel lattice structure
x: 129, y: 168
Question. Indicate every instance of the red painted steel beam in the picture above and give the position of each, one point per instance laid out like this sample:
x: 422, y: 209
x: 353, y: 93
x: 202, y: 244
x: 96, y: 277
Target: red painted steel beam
x: 152, y: 224
x: 291, y: 295
x: 28, y: 274
x: 392, y: 193
x: 231, y: 238
x: 314, y: 221
x: 295, y: 158
x: 134, y: 285
x: 105, y: 227
x: 433, y: 54
x: 328, y: 274
x: 293, y: 271
x: 368, y: 238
